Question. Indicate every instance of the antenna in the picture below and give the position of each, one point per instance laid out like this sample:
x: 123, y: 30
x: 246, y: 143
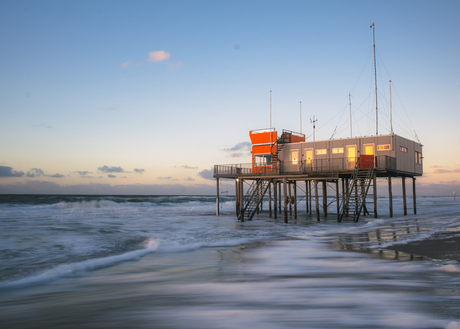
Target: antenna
x: 300, y: 117
x: 314, y: 126
x: 375, y: 74
x: 351, y: 122
x: 270, y: 131
x: 391, y: 112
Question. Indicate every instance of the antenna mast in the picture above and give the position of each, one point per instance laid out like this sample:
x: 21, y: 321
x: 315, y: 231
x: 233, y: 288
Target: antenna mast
x: 391, y: 112
x: 375, y: 74
x: 314, y: 126
x: 351, y: 123
x: 270, y: 131
x: 300, y: 117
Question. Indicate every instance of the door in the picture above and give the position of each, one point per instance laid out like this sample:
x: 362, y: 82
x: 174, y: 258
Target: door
x: 368, y: 149
x: 309, y: 158
x: 351, y: 157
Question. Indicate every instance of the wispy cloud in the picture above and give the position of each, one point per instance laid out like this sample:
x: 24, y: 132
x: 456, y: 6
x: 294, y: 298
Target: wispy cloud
x: 243, y: 146
x: 9, y: 172
x: 189, y: 179
x: 36, y: 172
x: 236, y: 155
x: 107, y: 169
x: 164, y: 178
x: 439, y: 170
x: 111, y: 176
x: 207, y: 174
x: 158, y: 56
x: 139, y: 171
x: 185, y: 167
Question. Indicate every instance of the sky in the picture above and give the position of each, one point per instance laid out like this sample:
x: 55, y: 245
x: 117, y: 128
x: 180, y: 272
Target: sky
x: 145, y: 97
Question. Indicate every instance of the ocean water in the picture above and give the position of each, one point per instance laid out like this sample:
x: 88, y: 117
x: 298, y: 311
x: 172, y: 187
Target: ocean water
x: 169, y: 262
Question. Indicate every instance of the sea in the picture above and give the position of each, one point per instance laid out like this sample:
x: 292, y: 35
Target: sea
x: 80, y: 261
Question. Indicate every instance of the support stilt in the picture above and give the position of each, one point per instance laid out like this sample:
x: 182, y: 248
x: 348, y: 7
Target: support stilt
x: 414, y: 195
x: 404, y: 194
x: 285, y: 199
x: 275, y: 198
x: 375, y: 195
x: 316, y: 200
x: 325, y: 198
x: 306, y: 196
x: 217, y: 197
x: 290, y: 199
x: 337, y: 198
x: 390, y: 196
x: 270, y: 199
x: 295, y: 200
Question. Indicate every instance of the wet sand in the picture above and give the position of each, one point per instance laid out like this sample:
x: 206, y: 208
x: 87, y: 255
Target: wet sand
x: 441, y: 246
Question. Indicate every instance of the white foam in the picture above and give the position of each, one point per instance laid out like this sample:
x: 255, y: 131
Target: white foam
x: 64, y: 270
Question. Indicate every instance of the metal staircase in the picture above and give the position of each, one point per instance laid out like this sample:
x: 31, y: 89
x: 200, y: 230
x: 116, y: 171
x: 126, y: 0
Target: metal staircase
x: 357, y: 191
x: 254, y: 197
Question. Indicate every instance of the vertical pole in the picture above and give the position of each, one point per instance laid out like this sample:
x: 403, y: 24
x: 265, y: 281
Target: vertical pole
x: 414, y: 196
x: 295, y: 199
x: 270, y: 199
x: 285, y: 199
x: 404, y: 194
x: 237, y: 198
x: 242, y: 199
x: 217, y: 197
x: 375, y: 195
x: 306, y: 195
x: 316, y: 200
x: 347, y: 195
x: 290, y: 199
x: 280, y: 196
x: 337, y: 197
x: 324, y: 198
x: 309, y: 195
x: 390, y: 196
x: 275, y: 197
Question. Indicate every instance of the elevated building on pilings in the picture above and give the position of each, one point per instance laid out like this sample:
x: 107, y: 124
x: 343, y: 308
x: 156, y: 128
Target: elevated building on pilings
x: 350, y: 166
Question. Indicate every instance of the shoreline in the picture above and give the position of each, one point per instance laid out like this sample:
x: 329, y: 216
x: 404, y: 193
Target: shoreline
x: 443, y: 246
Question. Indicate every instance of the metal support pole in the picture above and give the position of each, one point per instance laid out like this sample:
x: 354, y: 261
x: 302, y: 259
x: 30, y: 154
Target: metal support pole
x: 375, y: 195
x: 390, y: 197
x: 337, y: 197
x: 242, y: 199
x: 217, y: 197
x: 309, y: 195
x: 285, y: 199
x: 237, y: 198
x: 404, y: 195
x: 275, y: 198
x: 280, y: 196
x: 295, y: 199
x: 316, y: 200
x: 290, y: 199
x: 306, y: 195
x: 414, y: 196
x: 325, y: 198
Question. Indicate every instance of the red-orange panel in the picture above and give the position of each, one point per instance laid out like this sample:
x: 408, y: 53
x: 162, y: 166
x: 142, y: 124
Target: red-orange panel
x: 260, y: 138
x: 263, y: 149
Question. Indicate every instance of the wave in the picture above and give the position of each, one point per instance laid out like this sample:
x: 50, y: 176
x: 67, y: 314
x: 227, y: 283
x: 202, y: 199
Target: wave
x: 65, y: 270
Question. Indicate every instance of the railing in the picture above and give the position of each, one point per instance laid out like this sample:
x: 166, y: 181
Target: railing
x: 316, y: 166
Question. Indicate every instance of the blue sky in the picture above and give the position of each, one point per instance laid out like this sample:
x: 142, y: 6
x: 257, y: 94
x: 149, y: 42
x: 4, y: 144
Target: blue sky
x: 146, y: 96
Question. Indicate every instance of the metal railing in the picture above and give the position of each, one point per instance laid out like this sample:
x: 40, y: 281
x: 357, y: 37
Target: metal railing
x: 323, y: 166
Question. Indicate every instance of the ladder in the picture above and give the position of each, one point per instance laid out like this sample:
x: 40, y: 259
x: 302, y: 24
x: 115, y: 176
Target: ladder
x: 254, y: 197
x: 357, y: 190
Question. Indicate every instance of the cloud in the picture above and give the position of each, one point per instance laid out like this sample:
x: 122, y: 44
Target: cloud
x: 44, y: 125
x: 236, y: 155
x: 206, y: 174
x: 164, y: 178
x: 243, y: 146
x: 446, y: 171
x: 158, y: 56
x: 107, y: 169
x: 189, y: 179
x: 139, y: 171
x: 173, y: 66
x: 35, y: 172
x: 185, y: 167
x: 111, y: 176
x: 126, y: 64
x: 9, y: 172
x: 82, y: 173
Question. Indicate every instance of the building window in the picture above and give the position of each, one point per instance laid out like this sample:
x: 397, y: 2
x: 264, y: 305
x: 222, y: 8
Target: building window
x: 262, y: 160
x: 418, y: 157
x: 321, y: 152
x: 403, y: 149
x: 384, y: 147
x: 294, y: 157
x: 337, y: 150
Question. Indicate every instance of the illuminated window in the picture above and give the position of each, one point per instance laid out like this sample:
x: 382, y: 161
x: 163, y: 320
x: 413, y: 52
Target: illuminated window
x: 369, y: 149
x: 418, y: 157
x: 321, y: 151
x: 403, y: 149
x: 294, y: 156
x: 383, y: 147
x: 337, y: 150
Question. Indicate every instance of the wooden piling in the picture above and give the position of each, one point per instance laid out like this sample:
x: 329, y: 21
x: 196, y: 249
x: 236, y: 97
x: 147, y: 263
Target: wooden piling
x: 414, y: 196
x: 337, y: 199
x: 325, y: 198
x: 390, y: 196
x: 241, y: 199
x: 275, y: 198
x: 316, y: 200
x: 280, y: 196
x: 404, y: 194
x: 285, y: 199
x: 295, y: 199
x: 375, y: 195
x: 309, y: 195
x: 217, y: 197
x: 306, y: 195
x: 237, y: 198
x: 290, y: 198
x: 270, y: 199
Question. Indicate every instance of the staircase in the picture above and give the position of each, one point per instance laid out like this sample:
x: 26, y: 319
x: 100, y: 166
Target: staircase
x: 253, y: 198
x: 283, y: 139
x: 357, y: 190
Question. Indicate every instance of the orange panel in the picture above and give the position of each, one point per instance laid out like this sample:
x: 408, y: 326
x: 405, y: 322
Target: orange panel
x: 263, y: 149
x: 297, y: 139
x: 366, y: 161
x: 261, y: 138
